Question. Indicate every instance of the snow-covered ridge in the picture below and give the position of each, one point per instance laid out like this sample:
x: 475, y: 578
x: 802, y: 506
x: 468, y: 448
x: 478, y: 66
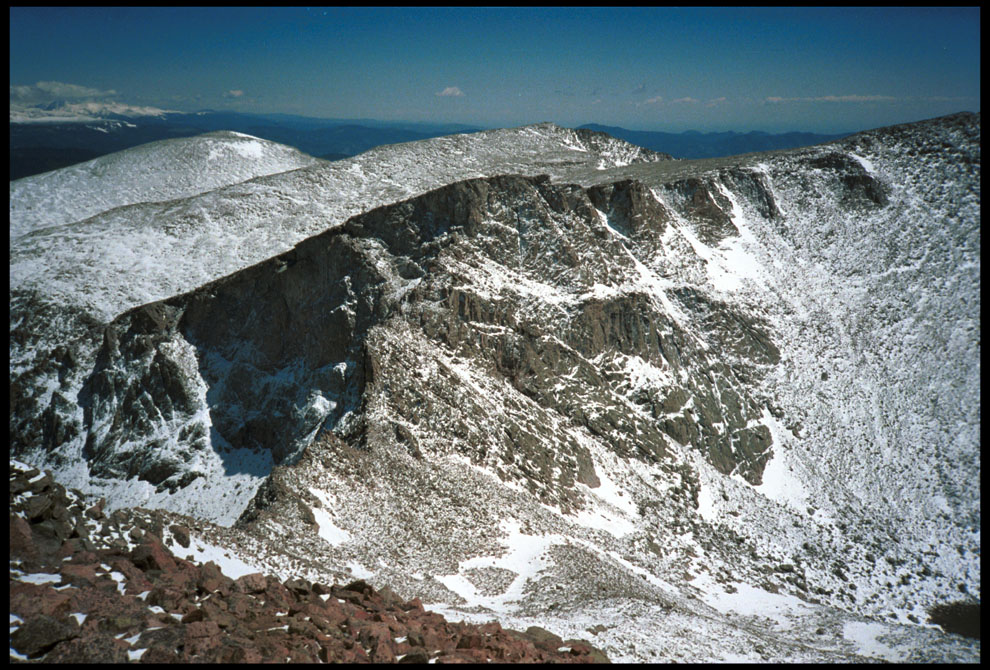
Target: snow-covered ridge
x: 859, y: 260
x: 155, y: 172
x: 119, y: 259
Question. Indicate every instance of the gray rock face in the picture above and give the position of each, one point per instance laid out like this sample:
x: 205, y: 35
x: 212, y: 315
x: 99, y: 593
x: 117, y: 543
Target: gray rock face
x: 322, y: 326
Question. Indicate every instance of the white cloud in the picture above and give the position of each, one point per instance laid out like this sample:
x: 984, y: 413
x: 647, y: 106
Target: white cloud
x: 49, y: 91
x: 236, y: 93
x: 655, y: 100
x: 715, y: 101
x: 450, y: 92
x: 687, y: 100
x: 834, y: 98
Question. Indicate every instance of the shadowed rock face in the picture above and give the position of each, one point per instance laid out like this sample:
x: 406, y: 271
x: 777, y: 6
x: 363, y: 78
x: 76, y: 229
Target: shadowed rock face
x: 286, y: 348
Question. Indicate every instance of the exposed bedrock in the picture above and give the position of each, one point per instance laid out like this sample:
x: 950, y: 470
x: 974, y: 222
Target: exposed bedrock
x: 501, y: 271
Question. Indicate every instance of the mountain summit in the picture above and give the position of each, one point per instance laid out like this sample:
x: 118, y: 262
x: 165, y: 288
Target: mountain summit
x: 701, y: 410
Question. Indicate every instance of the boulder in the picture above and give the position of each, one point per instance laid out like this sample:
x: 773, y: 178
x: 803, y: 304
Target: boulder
x: 152, y: 555
x: 181, y: 535
x: 93, y: 648
x: 22, y: 544
x: 40, y: 633
x: 252, y: 583
x: 544, y: 639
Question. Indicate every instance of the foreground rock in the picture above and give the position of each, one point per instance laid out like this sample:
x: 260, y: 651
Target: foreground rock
x: 85, y: 588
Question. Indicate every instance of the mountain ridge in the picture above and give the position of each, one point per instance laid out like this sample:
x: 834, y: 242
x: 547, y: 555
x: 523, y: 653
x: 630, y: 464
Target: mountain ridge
x: 644, y: 392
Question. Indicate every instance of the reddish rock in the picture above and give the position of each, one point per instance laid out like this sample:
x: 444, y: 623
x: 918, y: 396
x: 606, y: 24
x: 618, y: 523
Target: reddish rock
x: 271, y: 651
x: 180, y: 578
x: 360, y: 615
x: 237, y: 653
x: 80, y: 575
x: 22, y: 544
x: 103, y: 603
x: 160, y: 654
x: 95, y: 648
x: 432, y: 641
x: 277, y: 595
x: 84, y: 556
x: 181, y: 535
x: 40, y: 633
x: 28, y: 600
x: 252, y: 583
x: 381, y: 652
x: 416, y: 655
x: 202, y: 629
x: 152, y: 555
x: 136, y: 582
x: 202, y: 637
x: 168, y: 599
x: 96, y: 511
x: 212, y: 580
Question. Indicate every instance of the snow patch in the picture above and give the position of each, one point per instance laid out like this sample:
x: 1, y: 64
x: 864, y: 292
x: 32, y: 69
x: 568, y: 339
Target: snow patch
x: 231, y: 565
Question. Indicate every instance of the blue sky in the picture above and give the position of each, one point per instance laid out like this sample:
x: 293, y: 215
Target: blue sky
x: 822, y: 70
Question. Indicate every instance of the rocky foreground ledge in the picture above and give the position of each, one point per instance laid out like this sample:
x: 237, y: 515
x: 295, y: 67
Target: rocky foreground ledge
x: 86, y: 588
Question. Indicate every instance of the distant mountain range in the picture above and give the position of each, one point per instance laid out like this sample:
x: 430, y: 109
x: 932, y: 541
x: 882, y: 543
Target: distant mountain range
x: 60, y: 134
x: 48, y: 139
x: 693, y: 144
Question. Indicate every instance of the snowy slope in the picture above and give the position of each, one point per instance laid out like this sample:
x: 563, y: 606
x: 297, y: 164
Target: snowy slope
x: 707, y: 410
x: 107, y: 264
x: 154, y: 172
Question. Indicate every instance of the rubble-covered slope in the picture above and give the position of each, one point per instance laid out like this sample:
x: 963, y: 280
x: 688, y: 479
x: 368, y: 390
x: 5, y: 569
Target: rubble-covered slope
x: 91, y: 587
x: 704, y: 409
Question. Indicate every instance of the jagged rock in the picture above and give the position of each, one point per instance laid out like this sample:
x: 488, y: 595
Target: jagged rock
x: 544, y: 638
x: 96, y: 511
x: 418, y: 655
x: 22, y: 540
x: 90, y: 648
x: 181, y: 535
x: 252, y: 583
x: 152, y: 555
x: 40, y: 633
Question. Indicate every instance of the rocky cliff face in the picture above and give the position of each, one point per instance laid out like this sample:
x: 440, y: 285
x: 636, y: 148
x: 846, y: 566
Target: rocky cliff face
x: 632, y: 390
x: 291, y: 347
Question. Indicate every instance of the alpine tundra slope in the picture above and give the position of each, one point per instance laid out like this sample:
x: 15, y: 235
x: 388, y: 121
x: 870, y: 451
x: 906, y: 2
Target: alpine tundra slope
x: 702, y: 410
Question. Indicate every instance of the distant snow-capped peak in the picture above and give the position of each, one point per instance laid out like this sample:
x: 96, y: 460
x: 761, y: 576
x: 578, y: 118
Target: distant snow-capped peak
x: 62, y: 111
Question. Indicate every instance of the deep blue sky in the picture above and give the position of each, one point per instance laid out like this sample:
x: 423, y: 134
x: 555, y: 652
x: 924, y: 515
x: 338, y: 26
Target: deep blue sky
x: 670, y: 69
